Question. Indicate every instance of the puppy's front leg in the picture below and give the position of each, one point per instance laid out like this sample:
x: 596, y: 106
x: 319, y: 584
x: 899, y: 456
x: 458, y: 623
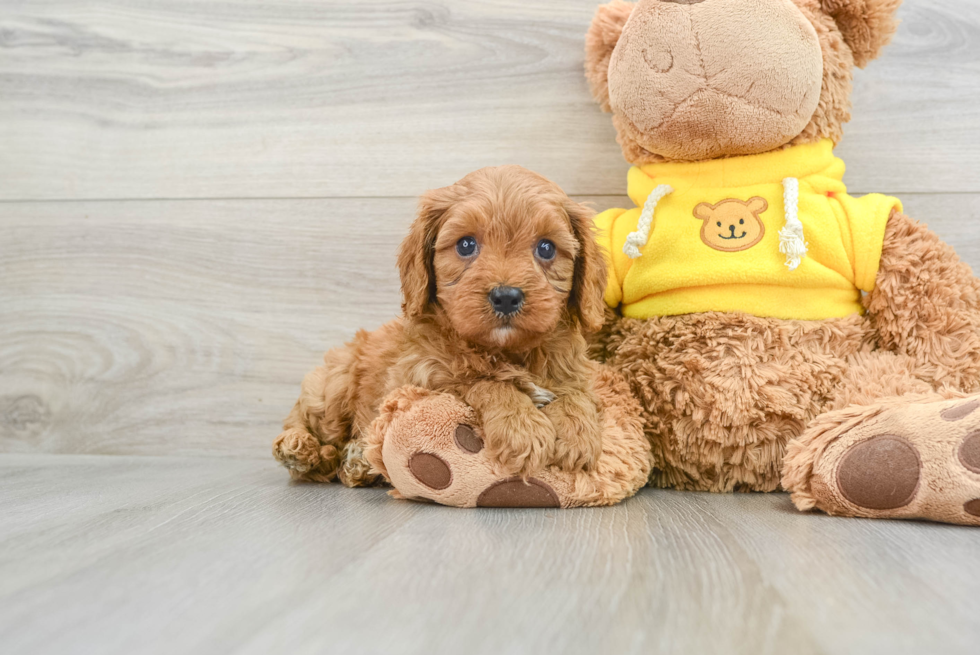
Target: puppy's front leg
x: 575, y: 416
x: 518, y: 435
x: 538, y: 395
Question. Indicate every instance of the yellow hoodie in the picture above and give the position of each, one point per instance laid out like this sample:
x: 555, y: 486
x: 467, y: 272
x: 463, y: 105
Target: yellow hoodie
x: 771, y: 235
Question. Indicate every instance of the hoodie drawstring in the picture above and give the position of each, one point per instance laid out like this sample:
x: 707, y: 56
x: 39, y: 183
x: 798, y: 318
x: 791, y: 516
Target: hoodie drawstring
x: 638, y: 239
x: 791, y: 241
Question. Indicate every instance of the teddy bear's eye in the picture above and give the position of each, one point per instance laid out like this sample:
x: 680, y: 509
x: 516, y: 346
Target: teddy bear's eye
x: 466, y: 246
x: 741, y: 221
x: 719, y: 223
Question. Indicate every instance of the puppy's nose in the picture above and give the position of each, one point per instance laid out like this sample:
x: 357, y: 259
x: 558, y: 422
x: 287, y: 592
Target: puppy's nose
x: 506, y: 300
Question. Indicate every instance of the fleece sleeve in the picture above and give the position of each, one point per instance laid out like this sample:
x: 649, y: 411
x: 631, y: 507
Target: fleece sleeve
x: 868, y: 217
x: 604, y: 223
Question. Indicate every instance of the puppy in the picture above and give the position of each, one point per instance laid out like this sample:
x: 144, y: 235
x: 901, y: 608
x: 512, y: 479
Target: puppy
x: 502, y: 280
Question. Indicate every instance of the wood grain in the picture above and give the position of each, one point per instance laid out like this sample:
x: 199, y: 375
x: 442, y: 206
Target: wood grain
x: 165, y: 555
x: 326, y: 98
x: 185, y: 327
x: 197, y: 199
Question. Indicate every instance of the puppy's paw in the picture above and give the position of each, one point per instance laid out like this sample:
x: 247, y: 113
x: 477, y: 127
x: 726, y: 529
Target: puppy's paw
x: 541, y: 397
x: 304, y: 456
x: 521, y: 443
x: 578, y: 442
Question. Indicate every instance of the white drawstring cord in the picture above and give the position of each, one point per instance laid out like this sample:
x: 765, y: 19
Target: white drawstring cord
x: 638, y: 239
x: 791, y: 241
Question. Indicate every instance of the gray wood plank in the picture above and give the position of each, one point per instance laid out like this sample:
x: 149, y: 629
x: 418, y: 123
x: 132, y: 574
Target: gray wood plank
x: 185, y: 327
x: 148, y: 555
x: 317, y: 98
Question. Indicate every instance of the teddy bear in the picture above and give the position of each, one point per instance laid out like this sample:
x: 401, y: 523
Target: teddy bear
x: 779, y: 333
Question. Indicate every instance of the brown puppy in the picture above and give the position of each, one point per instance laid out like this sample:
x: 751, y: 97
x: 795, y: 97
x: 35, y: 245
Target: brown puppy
x: 501, y: 278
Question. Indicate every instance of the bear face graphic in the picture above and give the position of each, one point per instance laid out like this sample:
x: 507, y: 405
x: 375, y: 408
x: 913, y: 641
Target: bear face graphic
x: 732, y: 225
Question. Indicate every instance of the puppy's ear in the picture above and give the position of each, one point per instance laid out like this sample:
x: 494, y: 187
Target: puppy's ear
x: 867, y: 25
x: 415, y: 254
x: 589, y: 281
x: 600, y: 41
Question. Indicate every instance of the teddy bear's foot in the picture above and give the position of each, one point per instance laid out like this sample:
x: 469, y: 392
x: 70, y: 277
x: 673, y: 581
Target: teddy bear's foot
x: 430, y: 447
x: 911, y: 458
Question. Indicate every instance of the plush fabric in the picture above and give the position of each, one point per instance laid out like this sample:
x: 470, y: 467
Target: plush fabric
x: 833, y: 106
x: 691, y: 102
x: 852, y: 412
x: 903, y: 457
x: 688, y: 266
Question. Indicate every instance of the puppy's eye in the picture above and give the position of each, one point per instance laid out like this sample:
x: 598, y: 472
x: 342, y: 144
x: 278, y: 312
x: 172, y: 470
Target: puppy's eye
x: 545, y: 250
x: 466, y: 246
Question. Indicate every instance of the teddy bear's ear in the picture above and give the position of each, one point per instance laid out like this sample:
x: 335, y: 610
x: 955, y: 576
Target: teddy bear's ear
x: 601, y: 40
x: 867, y: 25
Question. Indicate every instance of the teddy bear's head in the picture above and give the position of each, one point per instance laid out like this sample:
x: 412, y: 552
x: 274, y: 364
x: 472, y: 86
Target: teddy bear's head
x: 688, y: 80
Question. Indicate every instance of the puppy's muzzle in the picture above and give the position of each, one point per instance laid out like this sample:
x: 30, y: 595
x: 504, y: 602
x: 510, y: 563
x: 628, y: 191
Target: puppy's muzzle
x: 506, y: 300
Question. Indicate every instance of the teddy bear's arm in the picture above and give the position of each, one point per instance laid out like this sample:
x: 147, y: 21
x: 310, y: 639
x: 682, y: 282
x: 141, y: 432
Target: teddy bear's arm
x: 926, y: 304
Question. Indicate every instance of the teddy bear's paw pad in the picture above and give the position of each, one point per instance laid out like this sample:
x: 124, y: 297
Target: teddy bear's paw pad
x: 969, y: 456
x: 961, y: 411
x: 467, y: 439
x: 881, y: 473
x: 969, y: 452
x: 431, y: 470
x: 515, y: 492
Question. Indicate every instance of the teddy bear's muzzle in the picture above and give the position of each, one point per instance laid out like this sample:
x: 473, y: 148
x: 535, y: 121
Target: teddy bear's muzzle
x: 692, y: 79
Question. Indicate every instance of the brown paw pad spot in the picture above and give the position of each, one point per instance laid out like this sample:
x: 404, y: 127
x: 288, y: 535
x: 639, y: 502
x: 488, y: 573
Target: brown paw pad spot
x: 972, y: 507
x: 514, y: 492
x: 467, y: 439
x: 430, y: 470
x: 960, y: 412
x: 880, y: 473
x: 970, y: 452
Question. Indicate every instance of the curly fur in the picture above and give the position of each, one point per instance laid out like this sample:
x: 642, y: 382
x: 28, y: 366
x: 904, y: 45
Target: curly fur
x: 451, y: 340
x: 866, y: 25
x: 926, y: 304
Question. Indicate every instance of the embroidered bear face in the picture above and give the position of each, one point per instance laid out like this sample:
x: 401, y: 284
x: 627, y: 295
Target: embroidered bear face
x: 732, y: 225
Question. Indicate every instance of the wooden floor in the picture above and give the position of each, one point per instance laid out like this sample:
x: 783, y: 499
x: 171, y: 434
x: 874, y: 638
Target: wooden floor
x: 179, y: 555
x: 198, y: 199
